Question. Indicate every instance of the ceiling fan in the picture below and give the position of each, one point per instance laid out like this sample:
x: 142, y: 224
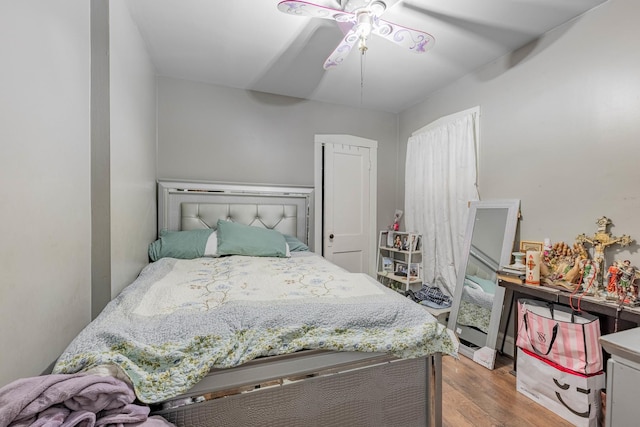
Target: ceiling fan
x: 364, y: 17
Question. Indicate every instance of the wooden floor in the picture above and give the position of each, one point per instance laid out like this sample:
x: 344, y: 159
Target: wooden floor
x: 475, y: 396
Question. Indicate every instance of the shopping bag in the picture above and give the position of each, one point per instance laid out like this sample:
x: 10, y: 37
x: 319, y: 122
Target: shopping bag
x: 573, y: 396
x: 557, y: 333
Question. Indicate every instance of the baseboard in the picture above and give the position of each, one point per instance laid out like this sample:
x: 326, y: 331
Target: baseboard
x: 509, y: 345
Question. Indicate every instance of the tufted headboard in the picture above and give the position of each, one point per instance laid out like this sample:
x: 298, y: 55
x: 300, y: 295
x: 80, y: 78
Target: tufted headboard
x: 193, y: 205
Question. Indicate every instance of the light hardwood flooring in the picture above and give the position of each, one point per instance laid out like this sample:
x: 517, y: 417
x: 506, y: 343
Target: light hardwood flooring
x: 475, y: 396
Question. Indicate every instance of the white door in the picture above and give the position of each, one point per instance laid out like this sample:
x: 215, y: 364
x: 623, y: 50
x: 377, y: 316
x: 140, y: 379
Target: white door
x: 348, y: 202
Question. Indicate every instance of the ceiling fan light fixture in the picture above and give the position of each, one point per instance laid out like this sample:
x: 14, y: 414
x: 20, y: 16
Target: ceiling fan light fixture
x: 377, y: 8
x: 364, y: 23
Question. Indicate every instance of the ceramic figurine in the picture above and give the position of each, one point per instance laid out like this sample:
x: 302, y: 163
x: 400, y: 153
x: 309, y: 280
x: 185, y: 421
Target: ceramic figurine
x: 589, y: 272
x: 573, y: 275
x: 613, y: 276
x: 600, y: 241
x: 627, y: 273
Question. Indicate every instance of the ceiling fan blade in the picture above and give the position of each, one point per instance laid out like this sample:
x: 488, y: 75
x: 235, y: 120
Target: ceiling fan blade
x: 303, y: 8
x: 343, y: 49
x: 414, y: 40
x: 496, y: 33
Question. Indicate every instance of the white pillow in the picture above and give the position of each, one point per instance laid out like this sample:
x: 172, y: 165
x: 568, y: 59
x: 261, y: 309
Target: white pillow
x: 212, y: 245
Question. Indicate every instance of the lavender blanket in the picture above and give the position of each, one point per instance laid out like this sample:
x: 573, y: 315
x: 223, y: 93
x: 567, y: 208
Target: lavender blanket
x: 73, y: 400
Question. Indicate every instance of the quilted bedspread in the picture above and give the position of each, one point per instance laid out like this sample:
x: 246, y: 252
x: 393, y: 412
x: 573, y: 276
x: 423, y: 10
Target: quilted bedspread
x: 180, y: 318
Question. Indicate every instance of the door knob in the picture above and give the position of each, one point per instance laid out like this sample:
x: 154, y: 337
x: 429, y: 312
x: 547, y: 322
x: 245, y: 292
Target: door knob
x: 331, y: 236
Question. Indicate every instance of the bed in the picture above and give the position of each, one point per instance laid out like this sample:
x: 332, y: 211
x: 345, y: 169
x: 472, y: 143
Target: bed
x: 283, y: 338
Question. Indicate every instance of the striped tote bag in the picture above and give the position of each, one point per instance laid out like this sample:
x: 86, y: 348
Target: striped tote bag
x: 559, y: 334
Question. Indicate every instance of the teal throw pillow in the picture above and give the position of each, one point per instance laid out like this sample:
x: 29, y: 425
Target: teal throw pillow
x: 180, y: 244
x: 240, y: 239
x: 295, y: 245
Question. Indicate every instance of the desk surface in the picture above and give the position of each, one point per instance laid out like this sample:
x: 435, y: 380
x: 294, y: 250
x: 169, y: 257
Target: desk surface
x: 586, y: 303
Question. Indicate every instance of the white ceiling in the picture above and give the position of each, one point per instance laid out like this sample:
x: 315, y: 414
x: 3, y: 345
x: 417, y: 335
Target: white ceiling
x: 250, y: 44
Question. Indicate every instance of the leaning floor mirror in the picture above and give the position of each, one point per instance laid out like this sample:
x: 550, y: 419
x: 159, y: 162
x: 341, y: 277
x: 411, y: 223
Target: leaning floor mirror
x: 477, y: 300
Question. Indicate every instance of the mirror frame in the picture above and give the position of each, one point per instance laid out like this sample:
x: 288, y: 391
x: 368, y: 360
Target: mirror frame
x: 485, y: 355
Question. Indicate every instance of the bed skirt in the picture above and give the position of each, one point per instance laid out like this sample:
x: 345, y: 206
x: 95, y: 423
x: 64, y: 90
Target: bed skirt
x: 317, y: 388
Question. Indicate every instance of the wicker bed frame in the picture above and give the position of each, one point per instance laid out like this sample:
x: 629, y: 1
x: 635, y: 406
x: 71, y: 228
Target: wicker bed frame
x: 310, y: 388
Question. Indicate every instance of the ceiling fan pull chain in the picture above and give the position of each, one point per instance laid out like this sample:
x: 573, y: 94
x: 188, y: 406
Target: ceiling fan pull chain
x: 362, y: 67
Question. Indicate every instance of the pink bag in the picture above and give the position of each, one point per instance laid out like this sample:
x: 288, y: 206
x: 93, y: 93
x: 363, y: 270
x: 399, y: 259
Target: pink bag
x: 560, y: 335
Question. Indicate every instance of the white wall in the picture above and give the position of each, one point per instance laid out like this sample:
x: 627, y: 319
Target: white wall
x: 45, y: 212
x: 214, y: 133
x: 133, y: 148
x: 560, y: 126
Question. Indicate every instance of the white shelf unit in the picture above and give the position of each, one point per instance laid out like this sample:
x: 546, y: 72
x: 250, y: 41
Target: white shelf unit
x: 407, y: 257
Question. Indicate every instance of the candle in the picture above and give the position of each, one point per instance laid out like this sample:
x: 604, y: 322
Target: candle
x: 532, y: 262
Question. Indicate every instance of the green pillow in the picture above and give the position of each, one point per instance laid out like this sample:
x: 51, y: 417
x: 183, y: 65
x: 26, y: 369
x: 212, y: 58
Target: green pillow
x: 295, y: 245
x: 180, y: 244
x: 488, y: 286
x: 239, y: 239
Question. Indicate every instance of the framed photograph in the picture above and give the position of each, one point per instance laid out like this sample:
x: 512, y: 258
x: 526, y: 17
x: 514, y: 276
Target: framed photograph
x: 414, y: 269
x: 414, y: 242
x: 397, y: 242
x: 401, y: 268
x: 527, y: 245
x: 387, y: 264
x: 405, y: 243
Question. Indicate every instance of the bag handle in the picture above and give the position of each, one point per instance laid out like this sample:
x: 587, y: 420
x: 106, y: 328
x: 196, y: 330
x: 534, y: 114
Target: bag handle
x: 554, y: 335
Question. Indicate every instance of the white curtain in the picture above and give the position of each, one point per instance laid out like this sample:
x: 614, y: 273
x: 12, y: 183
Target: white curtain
x: 440, y: 181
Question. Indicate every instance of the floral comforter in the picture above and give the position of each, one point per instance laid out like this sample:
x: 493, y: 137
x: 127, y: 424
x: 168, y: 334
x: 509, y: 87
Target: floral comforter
x: 181, y: 318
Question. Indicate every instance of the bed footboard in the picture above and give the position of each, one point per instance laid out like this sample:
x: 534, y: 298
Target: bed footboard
x: 378, y: 393
x: 434, y: 389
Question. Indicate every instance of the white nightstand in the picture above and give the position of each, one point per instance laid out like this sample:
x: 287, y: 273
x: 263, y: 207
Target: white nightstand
x: 623, y: 375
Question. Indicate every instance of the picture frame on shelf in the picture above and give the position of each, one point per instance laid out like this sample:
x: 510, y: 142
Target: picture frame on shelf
x: 414, y: 242
x: 397, y: 241
x: 414, y: 269
x: 387, y: 264
x: 401, y: 268
x: 405, y: 242
x: 390, y: 237
x: 528, y: 245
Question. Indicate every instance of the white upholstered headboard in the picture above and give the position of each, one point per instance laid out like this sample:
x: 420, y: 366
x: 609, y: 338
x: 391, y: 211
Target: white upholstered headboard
x: 192, y: 205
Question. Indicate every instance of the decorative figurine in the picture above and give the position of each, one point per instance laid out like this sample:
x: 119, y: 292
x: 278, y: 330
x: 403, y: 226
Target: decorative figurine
x: 626, y: 277
x: 613, y: 277
x: 396, y: 220
x: 589, y: 272
x: 573, y: 274
x: 600, y: 241
x: 621, y: 285
x: 562, y: 266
